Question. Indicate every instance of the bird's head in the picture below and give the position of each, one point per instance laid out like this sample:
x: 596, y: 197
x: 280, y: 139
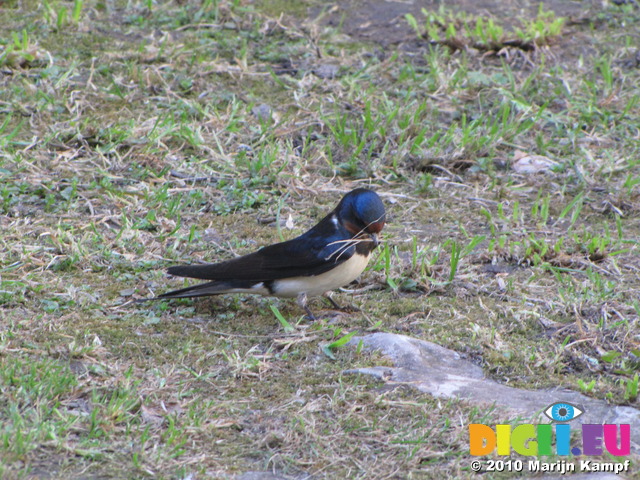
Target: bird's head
x: 362, y: 213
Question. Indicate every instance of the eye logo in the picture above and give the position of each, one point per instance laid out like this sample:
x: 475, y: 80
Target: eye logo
x: 562, y: 412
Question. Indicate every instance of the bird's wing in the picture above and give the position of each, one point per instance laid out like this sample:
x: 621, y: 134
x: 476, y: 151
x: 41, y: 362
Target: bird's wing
x: 302, y: 256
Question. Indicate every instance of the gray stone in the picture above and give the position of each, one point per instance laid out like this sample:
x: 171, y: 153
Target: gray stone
x: 326, y: 71
x: 268, y: 476
x: 582, y: 476
x: 433, y: 369
x: 259, y: 476
x: 262, y: 112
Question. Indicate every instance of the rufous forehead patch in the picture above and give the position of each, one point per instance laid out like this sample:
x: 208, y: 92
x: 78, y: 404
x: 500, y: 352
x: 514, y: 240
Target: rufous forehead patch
x: 375, y: 227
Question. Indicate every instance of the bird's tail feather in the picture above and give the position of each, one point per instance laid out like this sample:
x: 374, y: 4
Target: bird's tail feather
x: 204, y: 289
x: 203, y: 272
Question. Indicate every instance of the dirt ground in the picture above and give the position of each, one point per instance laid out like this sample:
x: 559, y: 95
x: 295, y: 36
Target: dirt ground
x: 137, y: 135
x: 382, y: 21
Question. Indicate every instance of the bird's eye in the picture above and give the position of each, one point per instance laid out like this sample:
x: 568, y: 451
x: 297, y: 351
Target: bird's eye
x: 562, y: 412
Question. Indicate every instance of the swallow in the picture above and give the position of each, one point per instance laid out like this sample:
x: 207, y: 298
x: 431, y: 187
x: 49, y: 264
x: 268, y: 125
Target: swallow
x: 330, y: 255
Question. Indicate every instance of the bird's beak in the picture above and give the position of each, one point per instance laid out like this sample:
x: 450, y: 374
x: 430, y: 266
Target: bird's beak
x: 374, y: 239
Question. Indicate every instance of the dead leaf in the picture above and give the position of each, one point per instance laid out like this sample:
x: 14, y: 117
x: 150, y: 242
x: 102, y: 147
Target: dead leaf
x: 526, y: 164
x: 289, y: 223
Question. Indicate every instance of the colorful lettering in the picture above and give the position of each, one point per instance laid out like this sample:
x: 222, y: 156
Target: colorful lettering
x: 503, y: 436
x: 531, y: 440
x: 563, y: 439
x: 544, y: 439
x: 611, y: 443
x: 592, y: 439
x: 482, y: 439
x: 523, y: 440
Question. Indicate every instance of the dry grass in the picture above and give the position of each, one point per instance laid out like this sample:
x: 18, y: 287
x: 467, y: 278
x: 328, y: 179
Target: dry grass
x: 136, y: 138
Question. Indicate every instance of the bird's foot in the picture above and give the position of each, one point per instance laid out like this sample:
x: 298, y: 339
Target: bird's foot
x: 346, y: 308
x: 302, y: 301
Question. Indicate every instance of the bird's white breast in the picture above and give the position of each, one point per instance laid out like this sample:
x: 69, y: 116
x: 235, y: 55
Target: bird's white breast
x: 316, y: 285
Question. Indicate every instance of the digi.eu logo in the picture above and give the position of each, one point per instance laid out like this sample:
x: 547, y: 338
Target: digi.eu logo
x: 539, y: 439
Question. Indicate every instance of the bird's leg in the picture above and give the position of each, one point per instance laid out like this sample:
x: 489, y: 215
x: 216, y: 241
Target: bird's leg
x: 302, y: 301
x: 332, y: 301
x: 348, y: 308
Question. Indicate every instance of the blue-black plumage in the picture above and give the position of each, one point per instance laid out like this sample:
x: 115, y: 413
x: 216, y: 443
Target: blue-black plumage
x: 328, y: 256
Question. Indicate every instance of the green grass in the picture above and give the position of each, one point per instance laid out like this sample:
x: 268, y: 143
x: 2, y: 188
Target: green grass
x: 129, y: 142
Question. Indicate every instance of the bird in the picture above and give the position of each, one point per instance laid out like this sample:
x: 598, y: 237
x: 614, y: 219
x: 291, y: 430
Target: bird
x: 330, y: 255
